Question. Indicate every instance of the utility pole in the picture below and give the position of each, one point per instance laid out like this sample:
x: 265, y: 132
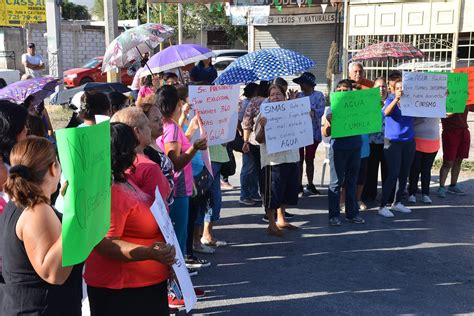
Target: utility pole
x: 180, y: 23
x: 53, y: 27
x: 111, y: 32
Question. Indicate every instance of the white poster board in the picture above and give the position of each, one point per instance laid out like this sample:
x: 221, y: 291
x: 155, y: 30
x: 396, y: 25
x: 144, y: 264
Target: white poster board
x: 218, y: 108
x: 424, y: 94
x: 158, y: 209
x: 288, y: 125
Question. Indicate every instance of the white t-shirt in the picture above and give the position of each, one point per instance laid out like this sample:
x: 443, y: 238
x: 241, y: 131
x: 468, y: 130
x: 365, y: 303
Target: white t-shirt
x: 34, y: 60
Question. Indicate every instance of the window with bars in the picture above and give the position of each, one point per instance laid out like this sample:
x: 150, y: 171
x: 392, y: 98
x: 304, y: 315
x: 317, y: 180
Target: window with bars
x: 438, y: 49
x: 466, y: 50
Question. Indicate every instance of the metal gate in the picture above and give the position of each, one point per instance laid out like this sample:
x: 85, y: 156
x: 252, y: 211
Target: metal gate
x: 438, y: 49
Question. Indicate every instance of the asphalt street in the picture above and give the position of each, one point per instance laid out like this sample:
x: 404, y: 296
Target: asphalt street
x: 420, y: 263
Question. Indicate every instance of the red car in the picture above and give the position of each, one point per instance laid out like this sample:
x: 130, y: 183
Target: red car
x: 91, y: 72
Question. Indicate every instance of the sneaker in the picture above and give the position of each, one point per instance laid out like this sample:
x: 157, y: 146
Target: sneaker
x: 204, y: 249
x: 192, y: 272
x: 197, y: 263
x: 247, y: 202
x: 362, y: 206
x: 426, y: 199
x: 289, y: 215
x: 301, y: 192
x: 256, y: 199
x: 412, y: 199
x: 174, y: 302
x: 456, y: 190
x: 311, y: 189
x: 385, y: 212
x: 335, y: 221
x: 199, y: 292
x: 226, y: 185
x: 356, y: 220
x: 265, y: 218
x: 399, y: 207
x: 442, y: 192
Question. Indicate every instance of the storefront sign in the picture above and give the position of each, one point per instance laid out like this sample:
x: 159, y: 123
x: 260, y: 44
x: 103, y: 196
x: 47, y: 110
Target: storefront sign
x: 21, y: 12
x: 301, y: 19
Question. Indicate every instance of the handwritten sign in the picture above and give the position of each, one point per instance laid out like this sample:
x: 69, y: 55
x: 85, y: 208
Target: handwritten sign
x: 457, y: 87
x: 218, y: 108
x: 470, y: 88
x: 424, y: 94
x: 158, y: 209
x: 84, y: 153
x: 356, y: 112
x: 288, y: 125
x: 19, y: 13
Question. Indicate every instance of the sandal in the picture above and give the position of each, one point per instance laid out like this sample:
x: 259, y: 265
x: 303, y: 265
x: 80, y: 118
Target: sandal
x: 213, y: 243
x: 288, y: 226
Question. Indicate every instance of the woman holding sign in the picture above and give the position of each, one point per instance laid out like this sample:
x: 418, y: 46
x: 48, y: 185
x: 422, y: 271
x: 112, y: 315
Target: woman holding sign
x: 344, y: 162
x: 127, y: 272
x: 179, y: 149
x: 36, y: 283
x: 281, y: 170
x: 399, y: 150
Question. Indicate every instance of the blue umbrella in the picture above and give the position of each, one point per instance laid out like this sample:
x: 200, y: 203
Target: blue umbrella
x: 265, y: 64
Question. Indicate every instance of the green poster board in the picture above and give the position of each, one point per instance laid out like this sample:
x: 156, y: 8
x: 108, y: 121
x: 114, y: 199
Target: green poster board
x: 356, y: 112
x: 458, y: 91
x: 84, y: 153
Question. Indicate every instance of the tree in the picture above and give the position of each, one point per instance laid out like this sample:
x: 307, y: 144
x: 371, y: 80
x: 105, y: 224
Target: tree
x: 195, y: 17
x: 71, y: 11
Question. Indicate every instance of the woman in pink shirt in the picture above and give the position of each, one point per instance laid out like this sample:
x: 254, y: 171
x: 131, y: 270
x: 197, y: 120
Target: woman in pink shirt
x: 175, y: 143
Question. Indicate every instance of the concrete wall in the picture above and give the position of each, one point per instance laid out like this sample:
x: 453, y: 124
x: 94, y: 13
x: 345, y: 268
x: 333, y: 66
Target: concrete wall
x: 80, y: 42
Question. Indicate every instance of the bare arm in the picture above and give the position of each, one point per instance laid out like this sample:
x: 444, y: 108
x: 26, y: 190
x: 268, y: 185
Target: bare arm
x: 40, y: 230
x: 127, y: 252
x: 180, y: 160
x: 326, y: 129
x: 260, y: 131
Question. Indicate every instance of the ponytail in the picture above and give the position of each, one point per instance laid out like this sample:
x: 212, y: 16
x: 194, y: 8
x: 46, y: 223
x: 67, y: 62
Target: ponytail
x: 31, y: 160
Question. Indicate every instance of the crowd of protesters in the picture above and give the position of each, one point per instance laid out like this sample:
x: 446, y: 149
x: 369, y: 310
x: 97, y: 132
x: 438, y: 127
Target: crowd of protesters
x: 153, y: 144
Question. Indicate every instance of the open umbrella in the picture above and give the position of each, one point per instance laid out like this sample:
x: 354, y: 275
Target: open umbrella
x: 385, y: 51
x: 40, y: 88
x: 132, y: 43
x: 265, y: 64
x: 65, y: 96
x: 177, y: 56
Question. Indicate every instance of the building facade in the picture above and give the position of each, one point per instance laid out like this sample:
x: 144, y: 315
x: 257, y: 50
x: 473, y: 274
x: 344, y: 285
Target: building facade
x: 443, y: 30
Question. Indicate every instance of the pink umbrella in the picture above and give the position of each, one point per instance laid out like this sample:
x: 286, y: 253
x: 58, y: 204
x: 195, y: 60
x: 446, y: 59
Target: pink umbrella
x: 388, y: 50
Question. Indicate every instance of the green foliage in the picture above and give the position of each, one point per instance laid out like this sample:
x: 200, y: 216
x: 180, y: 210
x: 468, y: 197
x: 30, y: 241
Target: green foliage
x: 71, y: 11
x: 195, y: 17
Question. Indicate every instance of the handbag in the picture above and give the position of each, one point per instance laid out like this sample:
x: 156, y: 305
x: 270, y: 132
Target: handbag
x: 202, y: 183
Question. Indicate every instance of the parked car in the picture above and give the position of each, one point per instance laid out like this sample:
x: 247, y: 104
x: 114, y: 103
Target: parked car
x: 91, y: 72
x: 221, y: 63
x: 231, y: 53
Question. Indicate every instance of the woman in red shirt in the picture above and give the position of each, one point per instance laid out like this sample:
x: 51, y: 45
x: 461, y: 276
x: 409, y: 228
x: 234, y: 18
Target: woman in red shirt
x: 127, y: 271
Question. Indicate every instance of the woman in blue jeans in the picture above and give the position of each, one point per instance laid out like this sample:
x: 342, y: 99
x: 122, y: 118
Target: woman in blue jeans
x: 399, y: 150
x: 344, y: 162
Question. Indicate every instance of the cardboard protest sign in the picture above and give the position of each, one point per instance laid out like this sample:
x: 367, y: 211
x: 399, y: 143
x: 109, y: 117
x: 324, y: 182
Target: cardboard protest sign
x: 470, y: 88
x: 458, y: 93
x: 218, y: 109
x: 356, y: 112
x: 424, y: 94
x: 159, y: 211
x: 84, y: 153
x: 288, y: 125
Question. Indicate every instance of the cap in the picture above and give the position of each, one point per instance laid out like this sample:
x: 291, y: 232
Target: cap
x: 306, y: 78
x: 31, y: 45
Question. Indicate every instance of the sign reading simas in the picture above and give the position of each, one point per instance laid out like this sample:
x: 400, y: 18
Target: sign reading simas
x: 22, y: 12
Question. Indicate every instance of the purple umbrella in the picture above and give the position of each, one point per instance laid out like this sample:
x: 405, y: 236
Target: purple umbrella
x: 39, y: 88
x: 176, y: 56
